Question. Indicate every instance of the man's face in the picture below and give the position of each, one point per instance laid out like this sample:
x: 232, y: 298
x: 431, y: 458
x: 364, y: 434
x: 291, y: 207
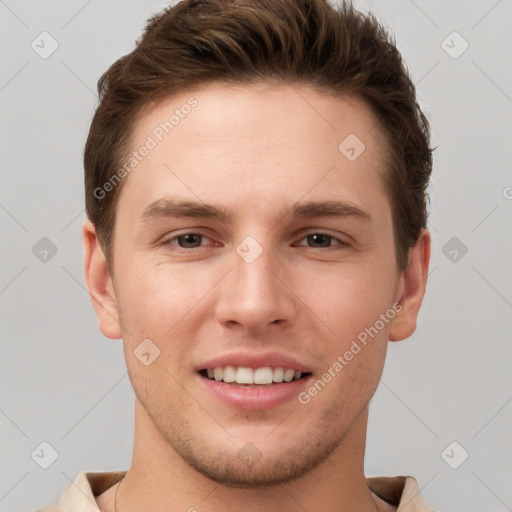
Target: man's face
x: 261, y: 285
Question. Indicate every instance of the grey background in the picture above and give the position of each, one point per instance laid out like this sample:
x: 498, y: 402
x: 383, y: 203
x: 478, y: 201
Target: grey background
x: 64, y: 383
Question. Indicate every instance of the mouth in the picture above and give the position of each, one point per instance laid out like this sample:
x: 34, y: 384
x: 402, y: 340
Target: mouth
x: 253, y: 381
x: 243, y: 376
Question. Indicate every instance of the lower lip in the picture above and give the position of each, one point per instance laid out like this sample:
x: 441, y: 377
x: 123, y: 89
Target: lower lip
x: 255, y: 398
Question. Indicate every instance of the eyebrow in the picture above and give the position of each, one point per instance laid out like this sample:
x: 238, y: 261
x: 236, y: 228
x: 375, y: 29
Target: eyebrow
x: 170, y: 208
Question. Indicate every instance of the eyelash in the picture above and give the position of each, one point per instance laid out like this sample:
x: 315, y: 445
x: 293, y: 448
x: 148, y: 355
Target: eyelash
x: 169, y: 241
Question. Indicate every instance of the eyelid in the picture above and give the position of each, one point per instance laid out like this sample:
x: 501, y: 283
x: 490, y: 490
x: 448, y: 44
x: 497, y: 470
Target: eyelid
x: 167, y: 241
x: 325, y: 233
x: 303, y: 234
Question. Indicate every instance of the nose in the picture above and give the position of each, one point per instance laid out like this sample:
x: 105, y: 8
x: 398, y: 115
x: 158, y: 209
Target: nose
x: 257, y: 294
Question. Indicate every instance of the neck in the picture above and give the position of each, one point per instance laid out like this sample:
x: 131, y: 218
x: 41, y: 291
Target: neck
x: 160, y: 479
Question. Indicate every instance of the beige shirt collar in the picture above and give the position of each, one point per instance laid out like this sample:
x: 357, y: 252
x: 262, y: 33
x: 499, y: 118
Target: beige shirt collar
x: 79, y: 496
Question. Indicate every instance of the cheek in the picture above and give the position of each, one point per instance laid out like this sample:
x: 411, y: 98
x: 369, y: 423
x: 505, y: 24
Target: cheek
x: 153, y: 299
x: 349, y: 299
x: 155, y: 305
x: 350, y: 302
x: 165, y: 305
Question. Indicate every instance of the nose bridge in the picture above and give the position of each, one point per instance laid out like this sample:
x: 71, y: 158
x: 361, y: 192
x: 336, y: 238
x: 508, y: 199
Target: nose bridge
x: 254, y: 267
x: 253, y: 294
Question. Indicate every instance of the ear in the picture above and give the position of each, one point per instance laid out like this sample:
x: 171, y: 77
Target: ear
x: 100, y: 284
x: 413, y: 285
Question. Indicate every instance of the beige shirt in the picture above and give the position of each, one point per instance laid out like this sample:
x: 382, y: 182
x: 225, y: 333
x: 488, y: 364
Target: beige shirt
x: 79, y: 496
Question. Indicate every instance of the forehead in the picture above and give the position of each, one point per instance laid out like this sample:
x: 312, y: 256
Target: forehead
x: 256, y: 146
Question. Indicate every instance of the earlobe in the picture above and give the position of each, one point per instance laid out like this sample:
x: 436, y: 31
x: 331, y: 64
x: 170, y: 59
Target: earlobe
x: 414, y: 286
x: 99, y: 284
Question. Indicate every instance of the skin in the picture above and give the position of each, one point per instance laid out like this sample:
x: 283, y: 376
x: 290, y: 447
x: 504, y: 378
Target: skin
x: 253, y: 149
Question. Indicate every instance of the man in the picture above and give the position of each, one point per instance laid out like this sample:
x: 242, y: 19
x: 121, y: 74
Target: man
x: 255, y: 187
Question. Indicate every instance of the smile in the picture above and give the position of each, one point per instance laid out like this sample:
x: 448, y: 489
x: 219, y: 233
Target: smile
x: 244, y: 376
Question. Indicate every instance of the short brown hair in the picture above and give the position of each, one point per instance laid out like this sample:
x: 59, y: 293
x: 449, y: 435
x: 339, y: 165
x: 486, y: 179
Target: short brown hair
x: 337, y: 50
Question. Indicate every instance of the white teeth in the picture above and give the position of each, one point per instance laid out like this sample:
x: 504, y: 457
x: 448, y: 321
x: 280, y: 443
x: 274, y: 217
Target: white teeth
x: 258, y: 376
x: 263, y: 375
x: 244, y: 375
x: 288, y: 375
x: 229, y: 374
x: 278, y: 375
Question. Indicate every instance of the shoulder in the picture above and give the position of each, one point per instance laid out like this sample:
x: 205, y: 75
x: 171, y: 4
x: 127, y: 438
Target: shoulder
x: 400, y: 491
x: 82, y: 492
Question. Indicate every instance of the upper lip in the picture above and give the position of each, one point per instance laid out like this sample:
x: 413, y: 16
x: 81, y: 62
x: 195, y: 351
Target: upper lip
x: 254, y: 360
